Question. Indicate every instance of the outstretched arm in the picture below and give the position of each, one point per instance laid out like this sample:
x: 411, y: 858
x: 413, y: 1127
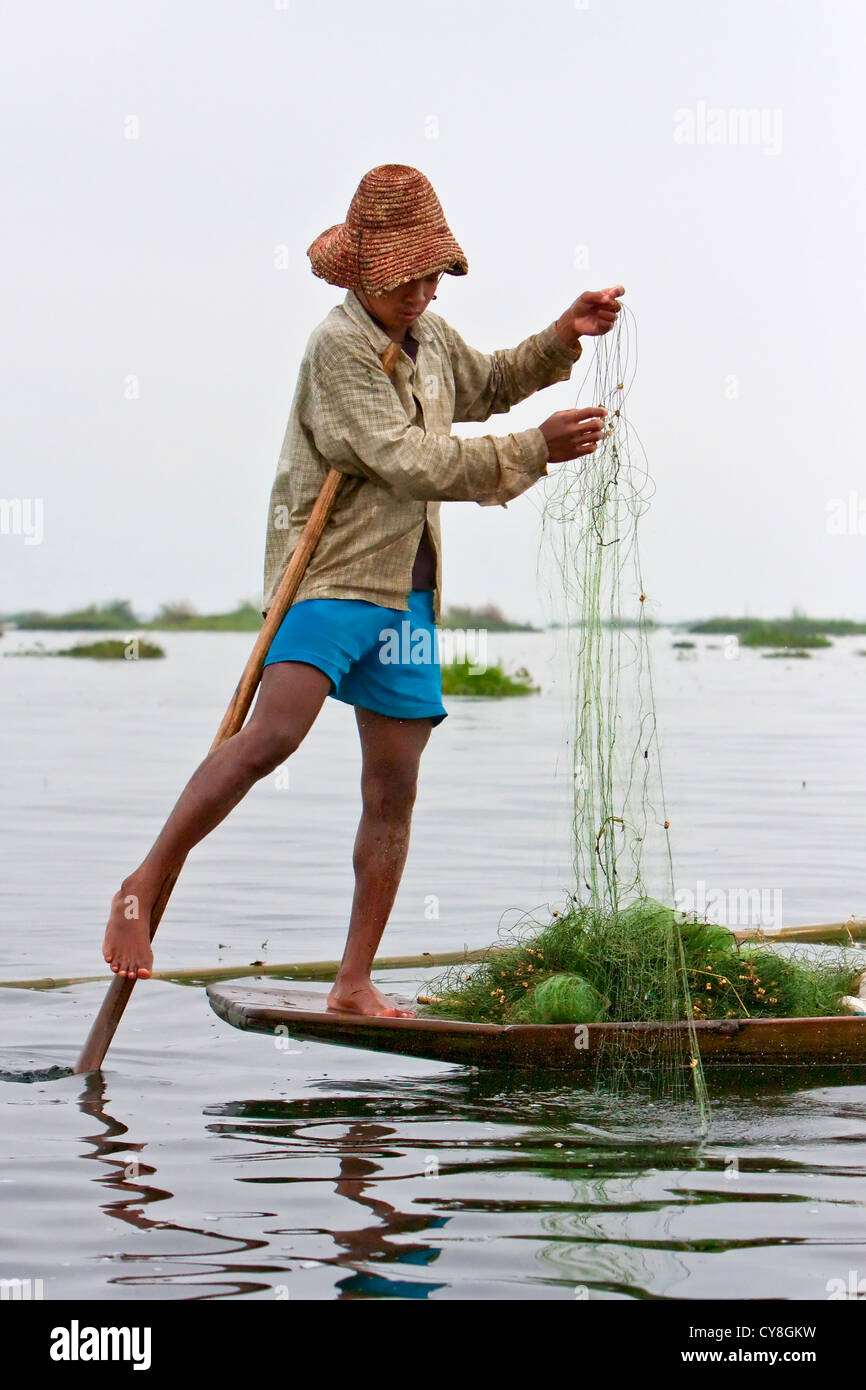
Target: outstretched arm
x: 358, y: 424
x: 488, y: 384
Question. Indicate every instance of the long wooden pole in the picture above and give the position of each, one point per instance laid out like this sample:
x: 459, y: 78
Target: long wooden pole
x: 303, y: 970
x: 830, y: 933
x: 119, y: 991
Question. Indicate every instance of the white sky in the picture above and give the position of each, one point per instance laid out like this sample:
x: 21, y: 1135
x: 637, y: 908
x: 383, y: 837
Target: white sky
x: 554, y: 127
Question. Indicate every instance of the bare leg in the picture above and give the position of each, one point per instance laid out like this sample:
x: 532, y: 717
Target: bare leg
x: 391, y: 750
x: 289, y: 699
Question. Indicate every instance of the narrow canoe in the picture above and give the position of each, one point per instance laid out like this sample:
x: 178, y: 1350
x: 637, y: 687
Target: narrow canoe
x: 762, y: 1042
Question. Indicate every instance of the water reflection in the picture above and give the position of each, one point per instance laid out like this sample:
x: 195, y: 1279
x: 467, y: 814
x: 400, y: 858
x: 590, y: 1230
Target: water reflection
x: 358, y: 1151
x: 481, y: 1184
x: 376, y: 1242
x: 129, y: 1175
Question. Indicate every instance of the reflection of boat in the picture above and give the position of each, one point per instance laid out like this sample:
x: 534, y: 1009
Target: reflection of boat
x: 759, y: 1042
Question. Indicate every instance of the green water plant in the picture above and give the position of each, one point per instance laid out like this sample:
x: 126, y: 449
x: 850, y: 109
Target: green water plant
x: 781, y: 635
x: 798, y: 625
x: 112, y: 649
x: 460, y: 678
x: 108, y: 649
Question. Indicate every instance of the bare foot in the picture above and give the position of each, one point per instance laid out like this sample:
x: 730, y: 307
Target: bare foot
x: 126, y: 945
x: 364, y: 998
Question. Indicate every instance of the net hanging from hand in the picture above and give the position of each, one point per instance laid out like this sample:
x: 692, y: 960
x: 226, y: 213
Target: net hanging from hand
x: 622, y: 853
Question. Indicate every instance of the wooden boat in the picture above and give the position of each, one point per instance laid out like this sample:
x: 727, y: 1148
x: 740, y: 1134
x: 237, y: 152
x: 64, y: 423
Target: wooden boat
x: 760, y: 1042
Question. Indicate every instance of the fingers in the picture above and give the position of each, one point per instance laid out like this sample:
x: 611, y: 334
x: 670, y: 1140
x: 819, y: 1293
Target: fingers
x: 589, y: 429
x: 587, y: 423
x: 588, y: 440
x: 604, y: 306
x: 586, y: 430
x: 590, y: 420
x: 606, y: 297
x: 572, y: 433
x: 585, y: 434
x: 609, y: 299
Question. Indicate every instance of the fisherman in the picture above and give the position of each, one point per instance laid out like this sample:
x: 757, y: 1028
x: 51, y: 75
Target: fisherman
x: 379, y: 561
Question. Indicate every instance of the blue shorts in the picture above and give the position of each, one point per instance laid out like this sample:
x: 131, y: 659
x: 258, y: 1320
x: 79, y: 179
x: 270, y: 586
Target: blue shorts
x: 384, y: 659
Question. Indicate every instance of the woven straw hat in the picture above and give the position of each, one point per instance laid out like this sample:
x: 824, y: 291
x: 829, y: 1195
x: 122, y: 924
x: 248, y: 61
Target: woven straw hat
x: 395, y: 230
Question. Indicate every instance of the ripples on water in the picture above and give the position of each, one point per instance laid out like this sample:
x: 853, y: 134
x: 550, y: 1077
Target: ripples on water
x: 206, y: 1163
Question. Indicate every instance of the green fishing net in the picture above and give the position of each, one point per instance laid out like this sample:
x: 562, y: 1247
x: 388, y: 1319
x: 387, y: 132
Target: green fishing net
x: 586, y: 965
x: 617, y: 952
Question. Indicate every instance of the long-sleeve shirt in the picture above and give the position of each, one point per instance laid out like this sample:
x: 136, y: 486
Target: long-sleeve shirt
x: 392, y: 438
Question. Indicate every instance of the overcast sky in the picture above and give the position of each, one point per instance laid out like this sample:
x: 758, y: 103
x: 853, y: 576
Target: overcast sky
x: 167, y: 165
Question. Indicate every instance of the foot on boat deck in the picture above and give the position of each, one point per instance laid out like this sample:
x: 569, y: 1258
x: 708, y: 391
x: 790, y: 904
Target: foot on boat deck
x: 365, y: 999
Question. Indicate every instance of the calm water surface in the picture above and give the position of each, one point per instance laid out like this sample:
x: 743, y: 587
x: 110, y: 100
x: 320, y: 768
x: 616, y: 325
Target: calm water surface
x: 207, y: 1163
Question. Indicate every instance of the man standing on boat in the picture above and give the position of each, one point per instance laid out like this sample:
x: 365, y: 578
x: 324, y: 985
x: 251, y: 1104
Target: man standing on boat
x: 378, y: 564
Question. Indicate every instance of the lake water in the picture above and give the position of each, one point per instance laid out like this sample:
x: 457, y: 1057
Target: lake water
x: 207, y: 1163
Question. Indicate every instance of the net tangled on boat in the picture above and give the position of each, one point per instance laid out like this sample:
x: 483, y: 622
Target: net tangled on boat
x: 585, y: 966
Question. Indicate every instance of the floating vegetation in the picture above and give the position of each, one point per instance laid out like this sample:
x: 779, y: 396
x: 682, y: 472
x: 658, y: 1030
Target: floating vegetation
x: 683, y: 646
x: 108, y: 649
x: 136, y: 649
x: 462, y: 678
x: 785, y: 656
x: 798, y: 625
x: 781, y: 635
x: 587, y: 966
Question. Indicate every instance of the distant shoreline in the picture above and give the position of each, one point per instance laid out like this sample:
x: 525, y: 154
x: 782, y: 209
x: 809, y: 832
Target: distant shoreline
x: 119, y: 616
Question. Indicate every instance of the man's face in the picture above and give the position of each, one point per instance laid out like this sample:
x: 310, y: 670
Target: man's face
x: 398, y: 310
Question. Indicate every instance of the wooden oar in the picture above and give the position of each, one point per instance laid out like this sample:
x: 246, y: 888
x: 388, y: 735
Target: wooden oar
x: 106, y: 1021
